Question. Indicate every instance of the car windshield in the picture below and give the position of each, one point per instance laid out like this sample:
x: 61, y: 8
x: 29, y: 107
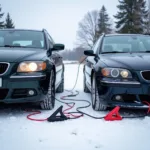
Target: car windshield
x: 22, y: 38
x: 126, y: 44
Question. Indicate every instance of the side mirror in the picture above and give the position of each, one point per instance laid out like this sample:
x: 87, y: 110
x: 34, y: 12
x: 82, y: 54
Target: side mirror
x: 58, y: 47
x: 89, y: 53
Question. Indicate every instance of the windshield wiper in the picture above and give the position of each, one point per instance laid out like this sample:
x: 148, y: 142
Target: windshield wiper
x: 147, y: 51
x: 112, y: 52
x: 12, y: 46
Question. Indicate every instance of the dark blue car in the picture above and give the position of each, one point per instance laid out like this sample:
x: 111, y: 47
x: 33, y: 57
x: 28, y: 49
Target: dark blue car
x: 117, y: 71
x: 31, y: 67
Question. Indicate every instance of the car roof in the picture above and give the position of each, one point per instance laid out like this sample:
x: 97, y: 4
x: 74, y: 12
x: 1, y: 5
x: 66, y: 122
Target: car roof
x: 125, y: 34
x: 13, y: 29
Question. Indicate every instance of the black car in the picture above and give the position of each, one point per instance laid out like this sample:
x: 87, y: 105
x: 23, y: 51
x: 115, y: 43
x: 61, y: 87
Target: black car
x: 31, y: 69
x: 117, y: 71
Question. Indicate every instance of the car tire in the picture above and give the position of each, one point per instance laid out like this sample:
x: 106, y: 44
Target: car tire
x: 60, y: 88
x: 96, y: 100
x: 86, y: 90
x: 49, y: 102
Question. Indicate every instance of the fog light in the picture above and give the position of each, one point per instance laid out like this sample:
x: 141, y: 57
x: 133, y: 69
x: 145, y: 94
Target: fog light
x: 118, y: 98
x: 31, y: 92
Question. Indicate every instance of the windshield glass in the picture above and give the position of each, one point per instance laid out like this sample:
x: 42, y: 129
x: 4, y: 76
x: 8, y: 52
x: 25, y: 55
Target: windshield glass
x: 22, y: 38
x: 132, y: 43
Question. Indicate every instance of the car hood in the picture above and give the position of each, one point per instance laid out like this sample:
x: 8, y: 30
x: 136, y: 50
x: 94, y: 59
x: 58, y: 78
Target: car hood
x: 20, y: 54
x: 135, y: 61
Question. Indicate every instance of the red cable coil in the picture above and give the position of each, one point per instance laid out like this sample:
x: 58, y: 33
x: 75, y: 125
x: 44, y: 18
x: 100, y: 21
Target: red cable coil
x: 39, y: 112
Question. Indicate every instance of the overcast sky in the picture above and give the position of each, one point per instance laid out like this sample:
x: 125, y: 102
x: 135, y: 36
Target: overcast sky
x: 59, y: 17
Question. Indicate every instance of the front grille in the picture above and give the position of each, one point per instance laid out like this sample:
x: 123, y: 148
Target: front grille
x: 3, y: 93
x: 3, y: 67
x: 146, y: 75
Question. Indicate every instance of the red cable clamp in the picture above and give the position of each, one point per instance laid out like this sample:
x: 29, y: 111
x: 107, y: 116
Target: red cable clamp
x: 113, y: 115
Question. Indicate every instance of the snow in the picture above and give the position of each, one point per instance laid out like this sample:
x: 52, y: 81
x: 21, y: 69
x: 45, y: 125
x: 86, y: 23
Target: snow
x: 70, y: 62
x: 18, y: 133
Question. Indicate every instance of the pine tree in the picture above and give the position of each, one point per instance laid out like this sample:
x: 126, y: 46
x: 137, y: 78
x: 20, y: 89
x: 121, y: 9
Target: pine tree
x: 132, y: 16
x: 1, y: 15
x: 140, y: 16
x: 9, y: 23
x: 104, y: 25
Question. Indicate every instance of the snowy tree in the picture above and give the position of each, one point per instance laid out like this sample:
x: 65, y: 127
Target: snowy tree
x: 132, y: 16
x: 87, y: 32
x: 9, y: 23
x: 1, y: 15
x: 104, y: 25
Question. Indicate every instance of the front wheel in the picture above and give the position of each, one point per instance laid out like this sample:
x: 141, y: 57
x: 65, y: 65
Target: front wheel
x: 49, y: 102
x: 96, y: 100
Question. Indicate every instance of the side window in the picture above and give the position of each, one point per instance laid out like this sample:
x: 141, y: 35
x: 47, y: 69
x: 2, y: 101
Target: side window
x: 96, y: 46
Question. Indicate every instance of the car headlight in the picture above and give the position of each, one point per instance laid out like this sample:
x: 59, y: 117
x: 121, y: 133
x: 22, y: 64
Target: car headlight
x: 116, y: 73
x: 31, y: 66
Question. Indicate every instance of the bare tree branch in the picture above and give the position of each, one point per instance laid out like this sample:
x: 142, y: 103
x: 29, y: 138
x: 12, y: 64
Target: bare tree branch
x: 87, y: 31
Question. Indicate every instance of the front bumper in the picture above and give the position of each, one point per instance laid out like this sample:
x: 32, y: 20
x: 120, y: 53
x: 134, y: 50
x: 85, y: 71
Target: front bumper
x: 133, y: 94
x: 15, y: 88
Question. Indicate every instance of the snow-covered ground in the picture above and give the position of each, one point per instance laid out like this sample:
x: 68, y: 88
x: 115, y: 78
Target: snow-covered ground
x: 70, y: 62
x: 18, y: 133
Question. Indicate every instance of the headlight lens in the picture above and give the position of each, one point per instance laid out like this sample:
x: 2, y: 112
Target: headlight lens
x: 116, y: 73
x: 124, y: 73
x: 31, y: 66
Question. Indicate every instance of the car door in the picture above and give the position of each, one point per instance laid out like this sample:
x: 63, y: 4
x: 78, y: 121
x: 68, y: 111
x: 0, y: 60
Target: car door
x: 90, y: 61
x: 57, y: 59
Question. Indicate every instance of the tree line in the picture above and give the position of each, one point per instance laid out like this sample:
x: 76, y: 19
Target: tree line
x: 8, y: 23
x: 74, y: 54
x: 132, y: 17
